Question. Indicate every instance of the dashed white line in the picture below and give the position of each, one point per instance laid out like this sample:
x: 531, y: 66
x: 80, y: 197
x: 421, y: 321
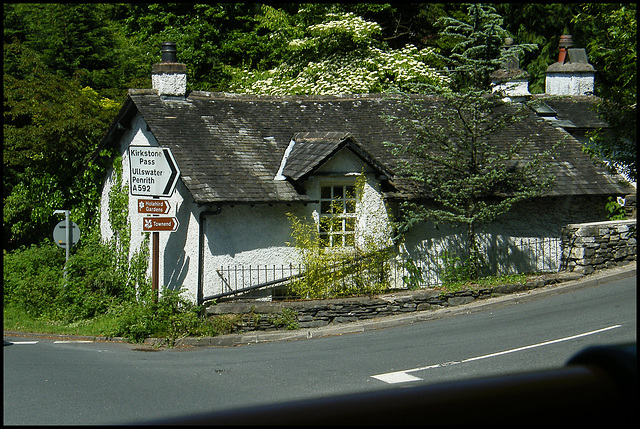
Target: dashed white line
x: 22, y: 342
x: 71, y: 341
x: 404, y: 376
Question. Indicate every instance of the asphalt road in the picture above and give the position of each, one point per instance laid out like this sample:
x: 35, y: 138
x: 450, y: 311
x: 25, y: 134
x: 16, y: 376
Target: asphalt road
x: 49, y: 381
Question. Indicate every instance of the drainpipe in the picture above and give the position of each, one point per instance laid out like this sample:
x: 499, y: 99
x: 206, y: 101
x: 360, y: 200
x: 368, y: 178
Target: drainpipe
x: 201, y: 225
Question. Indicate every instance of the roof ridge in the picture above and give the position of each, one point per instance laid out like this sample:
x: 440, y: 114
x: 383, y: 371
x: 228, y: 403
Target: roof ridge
x: 305, y: 97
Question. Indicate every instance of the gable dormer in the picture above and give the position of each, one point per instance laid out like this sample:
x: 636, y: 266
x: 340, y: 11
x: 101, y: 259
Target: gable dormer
x: 309, y: 151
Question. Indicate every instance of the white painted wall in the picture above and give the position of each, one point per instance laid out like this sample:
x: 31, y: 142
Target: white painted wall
x: 178, y: 250
x: 241, y: 235
x: 527, y: 222
x: 569, y: 83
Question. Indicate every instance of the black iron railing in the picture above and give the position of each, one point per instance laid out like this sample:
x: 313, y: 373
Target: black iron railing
x: 420, y: 269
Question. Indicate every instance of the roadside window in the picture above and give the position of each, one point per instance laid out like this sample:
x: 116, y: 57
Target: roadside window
x: 337, y: 224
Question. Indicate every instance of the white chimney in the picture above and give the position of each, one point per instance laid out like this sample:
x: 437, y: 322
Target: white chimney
x: 510, y: 80
x: 169, y: 77
x: 571, y: 74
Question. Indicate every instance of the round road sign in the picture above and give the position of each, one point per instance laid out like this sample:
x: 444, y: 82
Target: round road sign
x: 60, y: 234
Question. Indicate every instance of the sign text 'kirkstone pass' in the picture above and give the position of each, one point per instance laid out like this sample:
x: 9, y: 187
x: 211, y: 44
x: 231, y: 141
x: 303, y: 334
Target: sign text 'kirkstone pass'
x: 154, y: 172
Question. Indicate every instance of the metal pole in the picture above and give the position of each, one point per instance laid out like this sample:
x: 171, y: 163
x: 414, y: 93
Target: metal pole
x: 68, y: 235
x: 68, y: 244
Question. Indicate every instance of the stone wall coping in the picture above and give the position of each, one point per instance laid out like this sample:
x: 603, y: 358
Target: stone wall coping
x: 606, y: 222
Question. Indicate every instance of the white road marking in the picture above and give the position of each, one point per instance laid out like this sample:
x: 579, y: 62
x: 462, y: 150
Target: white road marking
x: 404, y: 376
x: 22, y: 342
x: 71, y: 341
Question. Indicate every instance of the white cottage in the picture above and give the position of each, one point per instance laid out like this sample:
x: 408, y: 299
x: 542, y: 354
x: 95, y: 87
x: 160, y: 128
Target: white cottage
x: 247, y: 161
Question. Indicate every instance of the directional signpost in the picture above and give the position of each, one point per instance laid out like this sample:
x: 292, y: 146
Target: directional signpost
x: 154, y: 173
x: 154, y: 224
x: 153, y: 206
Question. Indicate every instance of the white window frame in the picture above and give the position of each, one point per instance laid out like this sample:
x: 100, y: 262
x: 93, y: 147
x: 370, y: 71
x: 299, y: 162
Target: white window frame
x: 338, y: 214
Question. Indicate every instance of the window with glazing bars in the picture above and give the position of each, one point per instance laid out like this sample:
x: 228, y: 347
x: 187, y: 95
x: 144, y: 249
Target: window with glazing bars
x: 337, y: 223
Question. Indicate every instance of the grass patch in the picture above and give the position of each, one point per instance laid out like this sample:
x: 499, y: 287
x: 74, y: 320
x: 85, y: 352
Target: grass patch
x: 485, y: 282
x: 17, y: 319
x: 116, y: 324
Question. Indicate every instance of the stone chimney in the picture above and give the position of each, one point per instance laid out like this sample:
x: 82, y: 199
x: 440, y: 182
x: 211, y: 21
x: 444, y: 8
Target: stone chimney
x: 572, y: 74
x: 510, y: 80
x: 169, y: 77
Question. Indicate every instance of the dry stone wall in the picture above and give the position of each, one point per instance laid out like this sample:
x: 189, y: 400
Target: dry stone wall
x: 256, y: 315
x: 589, y: 247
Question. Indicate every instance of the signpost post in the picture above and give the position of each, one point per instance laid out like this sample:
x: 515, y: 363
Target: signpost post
x: 154, y: 173
x: 66, y: 234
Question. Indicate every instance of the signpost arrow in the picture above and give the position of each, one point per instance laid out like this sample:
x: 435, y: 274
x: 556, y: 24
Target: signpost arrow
x: 154, y: 172
x: 153, y: 224
x: 153, y: 206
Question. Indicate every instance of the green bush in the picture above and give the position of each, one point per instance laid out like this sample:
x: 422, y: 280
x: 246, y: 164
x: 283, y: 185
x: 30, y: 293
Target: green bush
x: 336, y: 272
x: 32, y: 279
x: 171, y: 317
x: 95, y: 281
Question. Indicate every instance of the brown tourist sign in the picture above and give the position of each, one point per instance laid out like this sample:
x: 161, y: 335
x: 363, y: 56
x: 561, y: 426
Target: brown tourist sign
x: 153, y: 224
x: 153, y: 206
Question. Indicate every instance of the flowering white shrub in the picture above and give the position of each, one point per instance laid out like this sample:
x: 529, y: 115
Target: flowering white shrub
x: 363, y: 69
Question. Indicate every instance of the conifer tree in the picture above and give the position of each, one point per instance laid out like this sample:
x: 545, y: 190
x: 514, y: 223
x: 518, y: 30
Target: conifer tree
x: 468, y: 180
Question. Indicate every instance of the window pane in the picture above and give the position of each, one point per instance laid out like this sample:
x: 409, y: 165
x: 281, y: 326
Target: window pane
x: 338, y: 192
x: 351, y: 206
x: 325, y: 192
x: 325, y: 207
x: 350, y: 224
x: 324, y: 240
x: 324, y: 225
x: 351, y: 191
x: 349, y: 240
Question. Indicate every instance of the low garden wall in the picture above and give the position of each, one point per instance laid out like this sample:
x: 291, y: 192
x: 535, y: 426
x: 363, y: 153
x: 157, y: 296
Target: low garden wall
x: 588, y: 247
x: 256, y: 315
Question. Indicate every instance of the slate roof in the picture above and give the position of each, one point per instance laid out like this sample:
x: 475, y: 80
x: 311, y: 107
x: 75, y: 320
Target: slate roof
x: 578, y: 111
x: 230, y: 147
x: 310, y: 150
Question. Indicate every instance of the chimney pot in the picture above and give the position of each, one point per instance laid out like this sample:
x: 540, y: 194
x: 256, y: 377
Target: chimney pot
x: 169, y: 52
x: 169, y: 77
x: 566, y: 41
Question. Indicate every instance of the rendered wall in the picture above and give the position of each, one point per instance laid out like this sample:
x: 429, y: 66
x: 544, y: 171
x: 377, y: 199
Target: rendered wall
x: 513, y: 242
x: 569, y: 84
x: 178, y: 250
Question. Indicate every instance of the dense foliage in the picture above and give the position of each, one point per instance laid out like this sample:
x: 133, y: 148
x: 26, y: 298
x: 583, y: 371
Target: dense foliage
x: 67, y: 68
x: 470, y: 181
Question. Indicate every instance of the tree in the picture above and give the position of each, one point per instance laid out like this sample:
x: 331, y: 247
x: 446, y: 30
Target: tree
x: 341, y: 54
x: 477, y: 48
x: 50, y: 127
x: 467, y: 179
x: 611, y: 46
